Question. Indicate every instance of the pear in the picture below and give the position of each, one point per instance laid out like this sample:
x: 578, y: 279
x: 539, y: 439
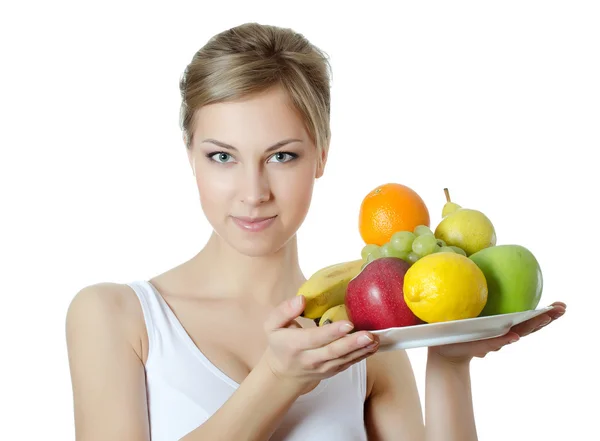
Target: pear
x: 449, y: 207
x: 465, y: 228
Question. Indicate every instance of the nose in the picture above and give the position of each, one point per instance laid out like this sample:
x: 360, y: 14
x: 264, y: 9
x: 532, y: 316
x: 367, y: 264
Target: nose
x: 255, y: 187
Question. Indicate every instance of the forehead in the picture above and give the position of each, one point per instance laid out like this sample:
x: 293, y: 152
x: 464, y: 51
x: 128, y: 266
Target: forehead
x: 269, y: 113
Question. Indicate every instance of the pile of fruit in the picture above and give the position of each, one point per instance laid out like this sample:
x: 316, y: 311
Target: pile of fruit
x: 409, y: 274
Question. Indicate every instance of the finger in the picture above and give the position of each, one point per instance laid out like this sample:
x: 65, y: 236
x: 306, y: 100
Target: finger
x: 294, y: 325
x: 559, y: 304
x: 558, y: 310
x: 535, y: 324
x: 552, y: 318
x: 482, y: 347
x: 319, y: 336
x: 344, y: 346
x: 528, y: 326
x: 343, y: 363
x: 285, y: 313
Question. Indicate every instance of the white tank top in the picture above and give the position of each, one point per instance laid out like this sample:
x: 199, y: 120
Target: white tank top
x: 184, y: 388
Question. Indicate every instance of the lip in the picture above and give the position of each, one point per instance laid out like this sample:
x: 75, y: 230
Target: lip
x: 253, y: 224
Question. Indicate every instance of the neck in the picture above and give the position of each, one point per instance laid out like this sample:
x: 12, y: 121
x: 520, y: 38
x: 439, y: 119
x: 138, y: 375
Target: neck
x: 266, y: 279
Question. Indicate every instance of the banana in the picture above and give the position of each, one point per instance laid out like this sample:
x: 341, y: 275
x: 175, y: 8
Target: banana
x: 327, y: 287
x: 334, y: 314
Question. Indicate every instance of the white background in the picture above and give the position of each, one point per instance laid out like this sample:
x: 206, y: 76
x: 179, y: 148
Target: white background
x: 499, y: 101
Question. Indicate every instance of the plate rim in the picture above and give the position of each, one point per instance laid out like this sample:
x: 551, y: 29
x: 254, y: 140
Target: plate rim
x: 469, y: 320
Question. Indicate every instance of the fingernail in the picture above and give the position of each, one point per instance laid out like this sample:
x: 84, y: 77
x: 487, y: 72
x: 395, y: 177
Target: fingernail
x: 297, y: 301
x: 346, y: 327
x: 372, y: 345
x: 544, y: 324
x: 364, y: 339
x: 513, y: 340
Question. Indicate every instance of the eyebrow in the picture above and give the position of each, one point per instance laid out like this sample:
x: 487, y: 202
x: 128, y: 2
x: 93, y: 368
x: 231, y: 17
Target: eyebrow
x: 269, y: 149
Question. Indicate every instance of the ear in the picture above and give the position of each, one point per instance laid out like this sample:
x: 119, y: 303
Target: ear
x: 190, y: 158
x: 192, y: 164
x: 321, y: 168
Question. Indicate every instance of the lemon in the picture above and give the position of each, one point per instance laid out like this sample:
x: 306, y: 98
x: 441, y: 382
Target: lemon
x: 445, y: 286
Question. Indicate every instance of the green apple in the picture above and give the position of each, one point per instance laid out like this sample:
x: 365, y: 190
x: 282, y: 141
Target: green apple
x: 514, y: 278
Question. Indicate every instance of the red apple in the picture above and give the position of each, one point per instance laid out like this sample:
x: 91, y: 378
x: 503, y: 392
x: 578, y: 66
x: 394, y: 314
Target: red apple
x: 375, y: 297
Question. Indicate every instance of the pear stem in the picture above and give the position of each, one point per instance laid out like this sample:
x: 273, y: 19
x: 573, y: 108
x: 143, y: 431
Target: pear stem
x: 447, y: 193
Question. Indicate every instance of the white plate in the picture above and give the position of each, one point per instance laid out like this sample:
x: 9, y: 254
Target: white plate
x: 457, y: 331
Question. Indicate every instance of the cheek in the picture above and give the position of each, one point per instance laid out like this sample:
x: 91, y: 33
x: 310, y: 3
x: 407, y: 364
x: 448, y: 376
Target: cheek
x: 294, y: 193
x: 213, y: 190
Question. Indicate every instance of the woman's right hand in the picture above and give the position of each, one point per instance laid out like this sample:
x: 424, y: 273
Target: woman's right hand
x: 305, y: 356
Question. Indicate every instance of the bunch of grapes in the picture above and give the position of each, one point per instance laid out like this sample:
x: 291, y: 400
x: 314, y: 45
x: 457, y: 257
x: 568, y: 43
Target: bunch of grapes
x: 409, y: 246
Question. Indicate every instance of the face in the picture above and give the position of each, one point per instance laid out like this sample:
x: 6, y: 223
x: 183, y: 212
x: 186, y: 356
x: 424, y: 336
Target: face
x: 255, y: 168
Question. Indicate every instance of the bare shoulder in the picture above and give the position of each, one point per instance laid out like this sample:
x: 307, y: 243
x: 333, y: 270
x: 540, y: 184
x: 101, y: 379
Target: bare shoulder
x: 114, y: 296
x: 109, y: 308
x: 383, y: 365
x: 106, y: 368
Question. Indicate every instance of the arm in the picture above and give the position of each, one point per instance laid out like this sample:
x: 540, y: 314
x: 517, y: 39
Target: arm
x: 393, y: 408
x: 449, y: 408
x: 108, y: 379
x: 449, y: 404
x: 393, y: 402
x: 107, y: 373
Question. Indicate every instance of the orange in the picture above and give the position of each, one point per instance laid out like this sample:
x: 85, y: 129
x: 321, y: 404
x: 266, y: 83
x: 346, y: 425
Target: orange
x: 390, y: 208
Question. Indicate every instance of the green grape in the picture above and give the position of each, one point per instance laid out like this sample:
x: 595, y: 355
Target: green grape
x: 376, y: 254
x: 385, y: 250
x: 458, y: 250
x: 403, y: 240
x: 412, y: 257
x: 404, y: 255
x: 399, y: 254
x: 388, y: 250
x: 447, y: 250
x: 441, y: 243
x: 368, y: 249
x: 424, y: 245
x: 370, y: 258
x: 421, y: 230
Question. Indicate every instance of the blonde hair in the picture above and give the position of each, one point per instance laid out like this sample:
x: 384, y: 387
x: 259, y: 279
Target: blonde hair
x: 252, y: 58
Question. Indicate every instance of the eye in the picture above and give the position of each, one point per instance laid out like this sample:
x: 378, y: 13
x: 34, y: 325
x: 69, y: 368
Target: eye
x: 281, y: 156
x: 221, y: 157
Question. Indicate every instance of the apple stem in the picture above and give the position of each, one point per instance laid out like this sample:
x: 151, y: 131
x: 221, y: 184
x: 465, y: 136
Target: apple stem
x: 447, y: 195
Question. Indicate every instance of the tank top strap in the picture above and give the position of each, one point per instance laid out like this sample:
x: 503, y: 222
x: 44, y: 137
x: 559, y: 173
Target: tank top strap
x: 361, y: 378
x: 157, y: 317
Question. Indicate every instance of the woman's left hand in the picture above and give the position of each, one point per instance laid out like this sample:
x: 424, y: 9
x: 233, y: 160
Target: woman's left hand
x: 464, y: 352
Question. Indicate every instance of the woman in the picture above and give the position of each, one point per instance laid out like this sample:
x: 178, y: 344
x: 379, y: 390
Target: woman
x: 215, y: 348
